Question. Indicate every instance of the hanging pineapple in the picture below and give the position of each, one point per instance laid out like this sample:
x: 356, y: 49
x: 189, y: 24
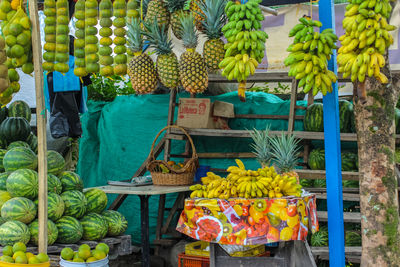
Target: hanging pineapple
x: 141, y: 68
x: 79, y: 51
x: 197, y: 13
x: 167, y: 62
x: 214, y: 20
x: 175, y: 7
x: 156, y: 9
x: 192, y: 68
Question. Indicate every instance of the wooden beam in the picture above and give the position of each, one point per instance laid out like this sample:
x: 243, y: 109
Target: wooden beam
x: 292, y: 110
x: 350, y: 217
x: 320, y: 174
x: 41, y: 125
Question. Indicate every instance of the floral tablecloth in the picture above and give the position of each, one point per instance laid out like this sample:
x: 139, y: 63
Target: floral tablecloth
x: 241, y: 221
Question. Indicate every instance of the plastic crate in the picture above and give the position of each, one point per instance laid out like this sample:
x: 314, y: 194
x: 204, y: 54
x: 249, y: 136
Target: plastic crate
x: 198, y: 249
x: 192, y: 261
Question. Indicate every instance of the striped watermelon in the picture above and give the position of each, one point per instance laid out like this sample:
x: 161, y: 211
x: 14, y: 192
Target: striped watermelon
x: 33, y: 142
x: 117, y: 223
x: 95, y: 227
x: 345, y: 113
x: 19, y: 109
x: 96, y: 200
x: 320, y: 238
x: 20, y: 158
x: 3, y: 180
x: 23, y: 183
x: 52, y: 232
x: 18, y: 144
x: 53, y: 184
x: 75, y: 203
x: 55, y: 206
x: 2, y: 154
x: 2, y: 220
x: 14, y: 129
x: 350, y: 184
x: 69, y: 230
x: 55, y: 162
x: 3, y: 143
x: 316, y: 159
x: 20, y: 209
x: 349, y: 161
x: 320, y: 183
x: 4, y: 197
x: 306, y: 182
x: 12, y: 232
x: 3, y: 113
x: 71, y: 181
x: 314, y: 119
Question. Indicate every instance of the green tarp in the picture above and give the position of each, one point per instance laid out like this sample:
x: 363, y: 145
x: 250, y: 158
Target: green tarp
x: 117, y: 137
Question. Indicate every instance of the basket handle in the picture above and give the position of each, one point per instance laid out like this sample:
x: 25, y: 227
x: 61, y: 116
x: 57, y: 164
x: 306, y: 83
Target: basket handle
x: 151, y: 155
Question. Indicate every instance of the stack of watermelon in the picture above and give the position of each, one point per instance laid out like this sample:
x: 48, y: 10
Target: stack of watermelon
x: 72, y: 214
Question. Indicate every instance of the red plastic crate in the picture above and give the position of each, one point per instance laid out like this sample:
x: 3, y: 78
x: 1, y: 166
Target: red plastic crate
x: 192, y: 261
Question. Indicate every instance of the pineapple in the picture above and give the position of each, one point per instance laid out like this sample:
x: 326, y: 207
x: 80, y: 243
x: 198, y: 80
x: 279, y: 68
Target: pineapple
x: 214, y: 20
x: 192, y: 68
x: 285, y: 152
x: 167, y: 62
x: 141, y: 68
x: 175, y: 7
x: 261, y: 146
x: 197, y: 13
x: 157, y: 10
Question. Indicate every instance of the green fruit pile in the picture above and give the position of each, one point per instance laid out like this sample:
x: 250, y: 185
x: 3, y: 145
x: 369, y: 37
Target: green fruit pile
x: 4, y: 82
x: 62, y: 37
x: 106, y: 60
x: 91, y: 41
x: 131, y: 13
x: 309, y: 55
x: 85, y: 254
x: 79, y: 42
x: 119, y: 23
x: 366, y: 39
x: 50, y: 36
x: 17, y: 254
x: 246, y: 42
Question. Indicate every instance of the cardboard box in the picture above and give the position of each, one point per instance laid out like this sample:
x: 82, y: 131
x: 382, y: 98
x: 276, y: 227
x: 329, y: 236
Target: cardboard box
x: 201, y: 113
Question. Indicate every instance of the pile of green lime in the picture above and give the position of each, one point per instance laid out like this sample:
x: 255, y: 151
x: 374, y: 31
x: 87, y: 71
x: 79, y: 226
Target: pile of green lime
x: 85, y: 254
x: 17, y: 254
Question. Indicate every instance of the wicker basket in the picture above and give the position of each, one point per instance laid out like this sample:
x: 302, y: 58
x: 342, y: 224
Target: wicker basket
x: 182, y: 176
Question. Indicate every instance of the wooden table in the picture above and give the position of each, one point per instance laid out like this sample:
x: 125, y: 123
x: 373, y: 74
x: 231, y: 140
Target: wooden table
x: 144, y: 193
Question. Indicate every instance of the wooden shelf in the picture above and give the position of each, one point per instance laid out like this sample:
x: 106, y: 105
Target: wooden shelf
x: 353, y: 254
x: 346, y: 196
x: 349, y: 217
x: 319, y: 174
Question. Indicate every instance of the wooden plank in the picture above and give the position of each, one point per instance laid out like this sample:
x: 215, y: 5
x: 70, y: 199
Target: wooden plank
x: 346, y: 196
x: 292, y: 109
x: 160, y: 219
x: 271, y: 117
x: 41, y: 125
x: 226, y: 155
x: 172, y: 212
x: 351, y: 217
x: 320, y: 174
x: 353, y: 254
x: 143, y: 190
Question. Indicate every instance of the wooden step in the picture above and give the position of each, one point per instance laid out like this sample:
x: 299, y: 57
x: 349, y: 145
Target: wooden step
x: 353, y: 254
x: 346, y: 196
x: 350, y: 217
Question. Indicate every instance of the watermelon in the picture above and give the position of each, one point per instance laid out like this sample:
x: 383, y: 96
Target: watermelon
x: 316, y: 159
x: 2, y: 220
x: 55, y: 162
x: 349, y: 161
x: 397, y: 120
x: 95, y: 227
x: 3, y: 143
x: 19, y: 109
x: 96, y: 200
x: 320, y: 238
x: 350, y: 184
x: 4, y: 197
x: 53, y: 184
x: 75, y: 203
x: 55, y: 206
x: 12, y: 232
x: 320, y: 183
x: 70, y: 181
x: 20, y: 158
x: 3, y: 113
x: 306, y: 182
x: 3, y: 180
x: 20, y: 209
x: 69, y: 230
x: 117, y: 223
x: 23, y: 183
x: 2, y: 154
x: 33, y: 142
x: 345, y: 113
x: 314, y: 119
x: 18, y: 144
x: 52, y: 232
x: 352, y: 239
x: 15, y: 129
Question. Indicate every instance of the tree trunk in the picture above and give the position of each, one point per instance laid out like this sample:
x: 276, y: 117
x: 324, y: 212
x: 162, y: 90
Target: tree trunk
x: 374, y: 112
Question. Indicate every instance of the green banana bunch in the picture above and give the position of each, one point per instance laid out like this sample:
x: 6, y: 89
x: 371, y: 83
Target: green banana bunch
x: 245, y: 48
x: 366, y: 39
x: 309, y: 55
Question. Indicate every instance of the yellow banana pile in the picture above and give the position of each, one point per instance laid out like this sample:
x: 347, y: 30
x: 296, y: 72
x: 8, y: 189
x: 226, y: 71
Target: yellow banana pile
x: 244, y: 183
x: 309, y: 56
x: 246, y: 41
x: 366, y: 39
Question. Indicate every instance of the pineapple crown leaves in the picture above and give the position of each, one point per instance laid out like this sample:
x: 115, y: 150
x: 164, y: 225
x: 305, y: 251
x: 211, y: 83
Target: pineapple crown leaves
x: 189, y: 34
x: 285, y: 150
x: 157, y: 37
x: 134, y: 34
x: 213, y: 17
x: 261, y: 145
x: 175, y: 5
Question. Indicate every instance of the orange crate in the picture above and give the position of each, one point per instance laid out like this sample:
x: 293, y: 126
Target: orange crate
x: 192, y: 261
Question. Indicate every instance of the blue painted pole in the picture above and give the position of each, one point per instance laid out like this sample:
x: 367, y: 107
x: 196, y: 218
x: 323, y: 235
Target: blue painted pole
x: 332, y: 153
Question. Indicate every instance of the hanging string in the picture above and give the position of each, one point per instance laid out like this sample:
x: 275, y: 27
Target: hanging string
x: 311, y: 7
